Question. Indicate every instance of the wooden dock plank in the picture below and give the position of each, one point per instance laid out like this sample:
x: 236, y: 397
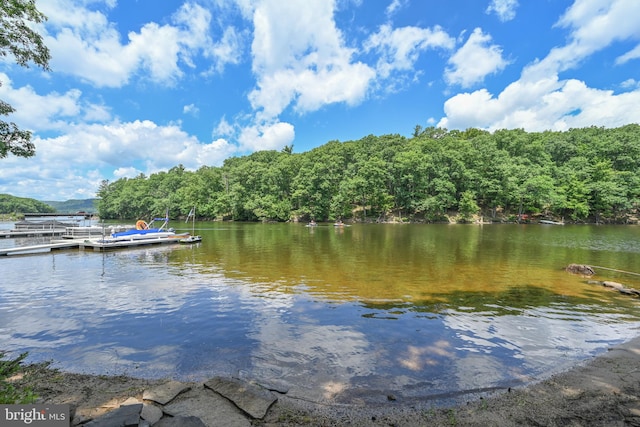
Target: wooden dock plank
x: 95, y: 244
x: 13, y: 234
x: 47, y: 247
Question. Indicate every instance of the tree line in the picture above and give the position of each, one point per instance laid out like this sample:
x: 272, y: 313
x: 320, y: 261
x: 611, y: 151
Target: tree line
x: 16, y: 205
x: 581, y: 175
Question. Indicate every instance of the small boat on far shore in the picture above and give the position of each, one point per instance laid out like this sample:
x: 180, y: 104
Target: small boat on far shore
x: 549, y: 222
x: 191, y: 239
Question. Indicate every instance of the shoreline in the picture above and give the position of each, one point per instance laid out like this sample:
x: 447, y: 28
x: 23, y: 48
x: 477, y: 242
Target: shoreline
x: 601, y: 391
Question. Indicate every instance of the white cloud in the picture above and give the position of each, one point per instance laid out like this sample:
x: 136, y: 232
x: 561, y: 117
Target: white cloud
x: 74, y: 14
x: 84, y: 43
x: 301, y: 62
x: 394, y: 6
x: 33, y: 178
x: 228, y: 50
x: 594, y: 25
x: 270, y: 136
x: 49, y: 112
x: 632, y: 54
x: 331, y: 85
x: 114, y: 150
x: 539, y: 100
x: 156, y: 50
x: 630, y: 84
x: 476, y: 59
x: 191, y: 109
x: 193, y: 22
x: 96, y: 113
x: 400, y: 48
x: 300, y: 59
x: 224, y: 128
x: 100, y: 141
x: 214, y: 153
x: 504, y: 9
x: 541, y: 105
x: 126, y: 172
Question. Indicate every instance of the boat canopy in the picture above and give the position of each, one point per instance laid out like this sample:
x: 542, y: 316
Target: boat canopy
x: 136, y: 232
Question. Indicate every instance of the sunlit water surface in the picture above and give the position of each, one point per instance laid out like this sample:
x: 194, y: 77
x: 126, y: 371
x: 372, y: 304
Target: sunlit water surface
x: 333, y: 314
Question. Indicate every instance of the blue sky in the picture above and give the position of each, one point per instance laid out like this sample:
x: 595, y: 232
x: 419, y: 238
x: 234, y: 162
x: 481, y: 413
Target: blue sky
x: 140, y: 86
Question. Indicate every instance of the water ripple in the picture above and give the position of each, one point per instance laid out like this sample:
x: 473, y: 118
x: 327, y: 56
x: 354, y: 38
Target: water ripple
x: 441, y: 317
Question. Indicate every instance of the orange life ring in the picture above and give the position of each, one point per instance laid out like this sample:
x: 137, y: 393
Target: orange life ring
x: 141, y: 225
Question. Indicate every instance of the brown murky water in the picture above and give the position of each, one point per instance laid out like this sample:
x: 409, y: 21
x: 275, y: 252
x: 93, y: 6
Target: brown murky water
x: 414, y: 310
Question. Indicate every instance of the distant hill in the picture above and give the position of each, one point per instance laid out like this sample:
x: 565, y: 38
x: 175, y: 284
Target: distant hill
x: 74, y: 205
x: 18, y: 205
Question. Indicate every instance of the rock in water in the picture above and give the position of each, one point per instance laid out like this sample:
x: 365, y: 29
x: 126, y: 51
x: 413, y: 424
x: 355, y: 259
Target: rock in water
x: 585, y: 270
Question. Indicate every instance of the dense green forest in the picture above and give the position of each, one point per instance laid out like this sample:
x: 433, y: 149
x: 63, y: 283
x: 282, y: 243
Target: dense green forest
x: 581, y: 175
x: 14, y: 205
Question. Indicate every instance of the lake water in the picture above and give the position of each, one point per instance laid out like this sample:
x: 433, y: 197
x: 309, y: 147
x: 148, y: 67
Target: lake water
x: 334, y: 314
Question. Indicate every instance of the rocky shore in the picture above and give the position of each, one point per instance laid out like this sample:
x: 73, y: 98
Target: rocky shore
x: 604, y: 391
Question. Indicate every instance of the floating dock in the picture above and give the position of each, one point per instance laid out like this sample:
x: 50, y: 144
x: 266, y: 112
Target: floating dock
x: 96, y: 245
x: 35, y: 249
x: 81, y: 215
x: 43, y: 228
x: 16, y: 234
x: 105, y: 245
